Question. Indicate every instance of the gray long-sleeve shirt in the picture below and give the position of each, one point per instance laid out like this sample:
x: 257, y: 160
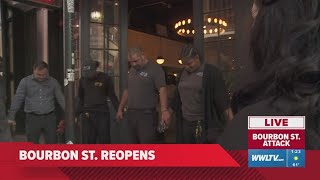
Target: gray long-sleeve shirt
x: 39, y: 96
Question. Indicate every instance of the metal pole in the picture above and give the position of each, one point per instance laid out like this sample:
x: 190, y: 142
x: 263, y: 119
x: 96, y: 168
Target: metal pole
x: 68, y: 11
x: 84, y: 43
x: 3, y: 64
x: 3, y: 88
x: 219, y: 40
x: 198, y: 26
x: 84, y: 30
x: 123, y: 44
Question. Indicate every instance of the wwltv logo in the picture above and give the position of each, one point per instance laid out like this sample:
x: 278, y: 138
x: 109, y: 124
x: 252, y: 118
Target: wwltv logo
x: 276, y: 141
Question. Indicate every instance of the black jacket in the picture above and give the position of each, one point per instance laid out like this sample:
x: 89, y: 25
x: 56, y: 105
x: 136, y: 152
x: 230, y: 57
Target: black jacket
x: 93, y: 93
x: 216, y: 102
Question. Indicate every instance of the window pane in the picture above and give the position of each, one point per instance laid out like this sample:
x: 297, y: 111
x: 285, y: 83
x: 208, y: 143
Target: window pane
x: 96, y: 35
x: 112, y: 68
x: 111, y: 12
x: 222, y: 21
x: 112, y: 62
x: 219, y: 34
x: 112, y: 37
x: 97, y: 12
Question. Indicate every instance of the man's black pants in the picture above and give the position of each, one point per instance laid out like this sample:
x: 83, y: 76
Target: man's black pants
x: 35, y: 124
x: 143, y: 126
x: 95, y: 127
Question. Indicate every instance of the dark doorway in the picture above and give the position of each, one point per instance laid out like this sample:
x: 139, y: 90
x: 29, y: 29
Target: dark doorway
x: 22, y: 38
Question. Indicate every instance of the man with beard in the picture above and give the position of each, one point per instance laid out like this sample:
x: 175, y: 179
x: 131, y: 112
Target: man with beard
x: 146, y: 80
x: 38, y: 92
x: 201, y: 103
x: 94, y: 90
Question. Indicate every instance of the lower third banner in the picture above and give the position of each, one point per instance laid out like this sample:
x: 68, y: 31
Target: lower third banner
x: 27, y: 154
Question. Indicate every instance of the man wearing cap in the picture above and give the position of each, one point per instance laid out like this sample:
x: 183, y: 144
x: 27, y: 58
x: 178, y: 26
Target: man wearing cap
x: 146, y: 80
x: 94, y: 90
x: 201, y: 103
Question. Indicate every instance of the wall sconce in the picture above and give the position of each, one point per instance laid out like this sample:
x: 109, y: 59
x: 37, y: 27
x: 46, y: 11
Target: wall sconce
x: 180, y: 61
x: 160, y: 60
x: 96, y: 15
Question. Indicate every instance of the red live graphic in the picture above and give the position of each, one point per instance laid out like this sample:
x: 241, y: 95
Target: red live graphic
x: 276, y: 122
x: 276, y: 139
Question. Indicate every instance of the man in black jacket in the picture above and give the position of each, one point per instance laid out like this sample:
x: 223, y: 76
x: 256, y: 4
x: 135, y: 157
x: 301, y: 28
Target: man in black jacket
x: 201, y: 103
x: 94, y: 90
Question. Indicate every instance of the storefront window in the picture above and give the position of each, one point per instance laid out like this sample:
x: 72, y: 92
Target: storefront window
x: 219, y: 35
x: 104, y: 37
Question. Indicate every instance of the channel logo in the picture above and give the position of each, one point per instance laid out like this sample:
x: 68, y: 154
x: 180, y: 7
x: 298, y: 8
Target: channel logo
x: 266, y: 158
x: 263, y: 157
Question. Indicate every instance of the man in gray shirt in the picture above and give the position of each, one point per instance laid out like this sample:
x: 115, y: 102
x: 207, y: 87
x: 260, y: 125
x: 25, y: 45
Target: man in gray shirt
x: 145, y: 81
x: 38, y: 92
